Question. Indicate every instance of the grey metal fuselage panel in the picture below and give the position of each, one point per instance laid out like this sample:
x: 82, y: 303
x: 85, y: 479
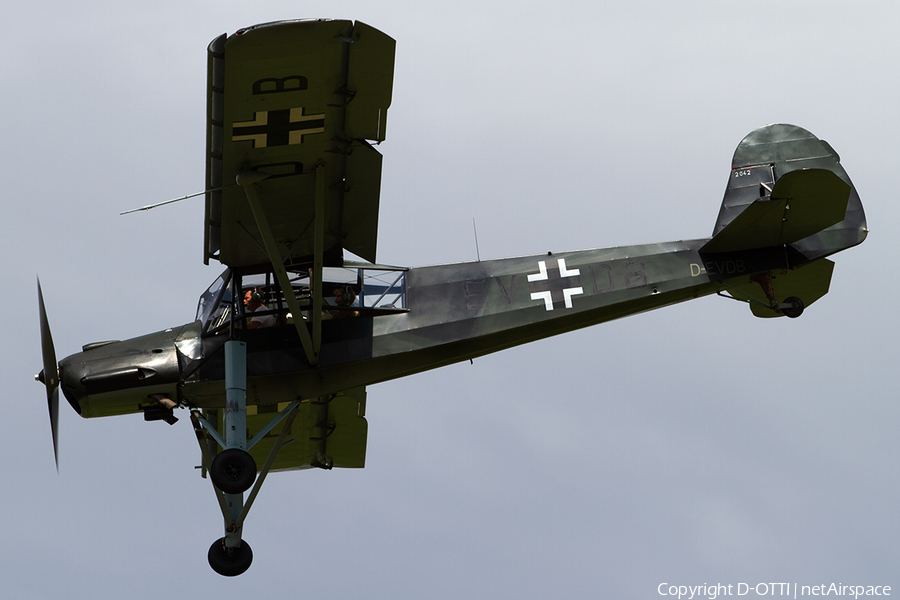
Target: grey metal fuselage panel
x: 461, y: 311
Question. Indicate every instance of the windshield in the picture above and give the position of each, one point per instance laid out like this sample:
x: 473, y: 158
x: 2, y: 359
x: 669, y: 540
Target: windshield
x: 354, y: 290
x: 214, y: 307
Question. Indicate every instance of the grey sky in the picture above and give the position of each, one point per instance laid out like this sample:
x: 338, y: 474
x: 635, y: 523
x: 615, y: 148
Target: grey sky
x: 691, y: 445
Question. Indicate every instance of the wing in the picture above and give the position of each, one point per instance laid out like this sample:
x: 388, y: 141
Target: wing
x: 293, y: 103
x: 326, y: 433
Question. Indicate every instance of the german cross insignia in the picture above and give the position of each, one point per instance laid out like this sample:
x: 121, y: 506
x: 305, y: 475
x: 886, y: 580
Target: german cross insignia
x: 550, y: 284
x: 277, y: 127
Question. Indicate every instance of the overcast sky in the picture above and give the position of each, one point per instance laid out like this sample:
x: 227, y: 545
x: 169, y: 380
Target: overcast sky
x: 691, y: 445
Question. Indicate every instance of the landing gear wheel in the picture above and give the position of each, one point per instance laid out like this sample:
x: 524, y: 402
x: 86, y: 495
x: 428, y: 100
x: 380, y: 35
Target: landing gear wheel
x: 233, y: 471
x: 229, y: 562
x: 794, y: 308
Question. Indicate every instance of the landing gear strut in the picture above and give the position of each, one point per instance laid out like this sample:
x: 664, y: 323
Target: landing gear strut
x: 233, y: 470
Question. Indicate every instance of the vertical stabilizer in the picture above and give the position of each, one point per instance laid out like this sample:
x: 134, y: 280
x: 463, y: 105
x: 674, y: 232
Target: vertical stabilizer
x: 787, y: 187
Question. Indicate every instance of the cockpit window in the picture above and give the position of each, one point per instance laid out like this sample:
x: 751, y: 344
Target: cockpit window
x: 384, y: 289
x: 214, y: 307
x: 351, y: 291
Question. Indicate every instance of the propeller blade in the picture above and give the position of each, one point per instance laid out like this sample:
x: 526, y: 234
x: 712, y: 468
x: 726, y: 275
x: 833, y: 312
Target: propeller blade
x: 50, y: 374
x: 53, y: 404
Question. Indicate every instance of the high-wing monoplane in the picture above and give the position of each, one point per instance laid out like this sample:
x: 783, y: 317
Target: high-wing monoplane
x: 273, y: 370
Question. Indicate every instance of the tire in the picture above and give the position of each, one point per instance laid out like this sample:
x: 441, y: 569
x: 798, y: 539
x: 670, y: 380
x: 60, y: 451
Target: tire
x: 795, y: 309
x: 233, y: 471
x: 229, y: 565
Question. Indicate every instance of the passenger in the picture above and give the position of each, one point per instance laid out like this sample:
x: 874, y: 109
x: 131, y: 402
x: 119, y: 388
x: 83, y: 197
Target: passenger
x: 253, y: 303
x: 344, y: 296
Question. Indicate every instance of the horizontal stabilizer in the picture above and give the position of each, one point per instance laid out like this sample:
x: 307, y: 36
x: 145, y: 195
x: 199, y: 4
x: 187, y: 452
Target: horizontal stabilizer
x: 808, y: 283
x: 802, y: 203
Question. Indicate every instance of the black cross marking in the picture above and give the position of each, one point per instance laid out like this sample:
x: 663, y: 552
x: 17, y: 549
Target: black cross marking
x: 550, y: 280
x: 278, y: 127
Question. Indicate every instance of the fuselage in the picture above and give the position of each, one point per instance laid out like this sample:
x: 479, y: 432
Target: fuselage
x: 454, y: 312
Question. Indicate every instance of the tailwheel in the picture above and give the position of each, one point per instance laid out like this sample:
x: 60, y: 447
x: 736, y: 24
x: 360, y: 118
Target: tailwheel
x: 229, y: 562
x: 792, y: 307
x: 233, y: 471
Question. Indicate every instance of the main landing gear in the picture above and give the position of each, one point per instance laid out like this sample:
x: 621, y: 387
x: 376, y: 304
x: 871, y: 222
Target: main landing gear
x: 229, y: 562
x: 233, y: 471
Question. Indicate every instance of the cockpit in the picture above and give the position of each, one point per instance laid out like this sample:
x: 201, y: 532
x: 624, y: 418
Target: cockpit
x: 249, y: 300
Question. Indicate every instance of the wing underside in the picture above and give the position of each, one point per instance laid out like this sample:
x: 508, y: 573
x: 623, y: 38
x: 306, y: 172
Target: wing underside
x: 327, y: 432
x: 296, y: 104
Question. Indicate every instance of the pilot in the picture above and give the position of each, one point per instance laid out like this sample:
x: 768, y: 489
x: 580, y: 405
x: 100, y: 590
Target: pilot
x: 253, y: 303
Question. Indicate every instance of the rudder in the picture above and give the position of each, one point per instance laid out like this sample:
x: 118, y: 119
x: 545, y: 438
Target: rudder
x: 788, y: 204
x: 787, y: 187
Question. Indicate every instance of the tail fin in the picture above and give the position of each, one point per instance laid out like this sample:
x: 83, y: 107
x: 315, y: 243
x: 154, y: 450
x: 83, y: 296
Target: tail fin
x: 787, y: 187
x: 787, y: 196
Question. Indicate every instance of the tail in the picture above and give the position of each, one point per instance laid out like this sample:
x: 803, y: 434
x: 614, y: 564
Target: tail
x: 789, y: 204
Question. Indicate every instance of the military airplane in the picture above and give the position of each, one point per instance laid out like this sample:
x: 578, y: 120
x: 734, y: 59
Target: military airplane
x: 274, y: 368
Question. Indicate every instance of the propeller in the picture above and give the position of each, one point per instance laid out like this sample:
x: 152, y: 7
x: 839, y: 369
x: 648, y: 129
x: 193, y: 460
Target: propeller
x: 50, y: 375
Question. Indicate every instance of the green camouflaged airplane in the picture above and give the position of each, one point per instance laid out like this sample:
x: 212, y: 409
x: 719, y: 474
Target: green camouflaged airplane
x: 293, y: 330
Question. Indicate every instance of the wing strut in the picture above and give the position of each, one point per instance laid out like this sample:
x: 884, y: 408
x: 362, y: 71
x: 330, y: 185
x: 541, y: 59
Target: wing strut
x: 318, y: 260
x: 311, y: 345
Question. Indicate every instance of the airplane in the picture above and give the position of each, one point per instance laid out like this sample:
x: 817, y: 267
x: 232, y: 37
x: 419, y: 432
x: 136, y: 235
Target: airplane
x: 273, y: 370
